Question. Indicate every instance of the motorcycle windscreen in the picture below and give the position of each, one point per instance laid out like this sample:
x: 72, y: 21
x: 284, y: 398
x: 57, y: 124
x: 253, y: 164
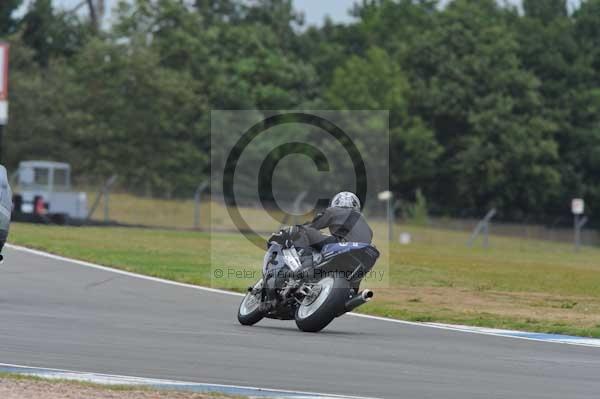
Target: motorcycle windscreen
x: 273, y: 257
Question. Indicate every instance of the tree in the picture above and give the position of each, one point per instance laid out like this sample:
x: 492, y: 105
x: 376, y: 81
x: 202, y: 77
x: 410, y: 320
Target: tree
x: 8, y: 23
x: 279, y: 15
x: 145, y: 119
x: 327, y: 47
x: 394, y: 24
x: 239, y: 65
x: 377, y: 82
x: 486, y: 111
x: 214, y: 11
x: 587, y: 29
x: 44, y: 110
x: 545, y: 10
x: 489, y: 107
x: 549, y: 49
x: 51, y: 33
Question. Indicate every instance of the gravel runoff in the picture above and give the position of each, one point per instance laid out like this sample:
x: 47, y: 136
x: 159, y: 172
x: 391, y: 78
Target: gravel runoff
x: 17, y: 388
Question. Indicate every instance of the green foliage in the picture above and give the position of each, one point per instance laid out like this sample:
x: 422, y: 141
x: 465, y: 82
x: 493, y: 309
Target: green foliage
x: 545, y: 10
x: 51, y: 33
x: 8, y: 24
x: 150, y: 118
x: 488, y: 107
x: 378, y: 82
x: 486, y: 111
x: 375, y: 82
x: 42, y: 123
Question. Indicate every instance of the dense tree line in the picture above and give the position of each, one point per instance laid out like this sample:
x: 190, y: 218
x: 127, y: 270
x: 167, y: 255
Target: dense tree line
x: 491, y: 105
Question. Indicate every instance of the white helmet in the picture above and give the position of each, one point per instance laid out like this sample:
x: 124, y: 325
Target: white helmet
x: 346, y: 199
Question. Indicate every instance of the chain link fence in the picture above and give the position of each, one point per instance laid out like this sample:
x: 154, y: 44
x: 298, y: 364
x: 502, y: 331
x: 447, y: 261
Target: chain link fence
x: 201, y: 211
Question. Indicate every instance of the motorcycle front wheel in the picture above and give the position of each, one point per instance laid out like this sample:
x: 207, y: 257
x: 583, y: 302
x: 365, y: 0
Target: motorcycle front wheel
x: 326, y: 302
x: 249, y: 312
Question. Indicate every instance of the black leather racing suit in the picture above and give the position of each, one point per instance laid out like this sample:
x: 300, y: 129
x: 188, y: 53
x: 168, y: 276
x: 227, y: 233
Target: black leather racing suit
x: 345, y: 225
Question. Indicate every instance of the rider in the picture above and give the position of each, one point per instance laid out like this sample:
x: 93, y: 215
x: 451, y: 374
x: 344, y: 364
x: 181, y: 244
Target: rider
x: 344, y: 220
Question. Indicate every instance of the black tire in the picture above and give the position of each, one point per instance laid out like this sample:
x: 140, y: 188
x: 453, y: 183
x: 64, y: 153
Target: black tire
x: 248, y: 317
x: 332, y: 306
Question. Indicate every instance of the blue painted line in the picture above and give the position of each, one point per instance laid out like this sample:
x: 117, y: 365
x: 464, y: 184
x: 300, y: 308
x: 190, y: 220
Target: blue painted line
x: 107, y: 379
x: 543, y: 337
x: 551, y: 337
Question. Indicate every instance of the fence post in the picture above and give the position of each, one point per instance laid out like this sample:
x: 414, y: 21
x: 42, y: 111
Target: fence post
x: 577, y: 209
x: 102, y: 193
x: 388, y: 197
x: 483, y: 226
x: 106, y: 206
x: 578, y: 223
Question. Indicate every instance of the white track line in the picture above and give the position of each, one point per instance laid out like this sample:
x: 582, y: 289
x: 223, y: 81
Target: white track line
x: 115, y: 379
x: 123, y: 272
x: 514, y: 334
x: 530, y: 336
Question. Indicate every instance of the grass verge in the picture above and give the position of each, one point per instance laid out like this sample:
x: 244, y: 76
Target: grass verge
x: 517, y: 284
x: 13, y: 385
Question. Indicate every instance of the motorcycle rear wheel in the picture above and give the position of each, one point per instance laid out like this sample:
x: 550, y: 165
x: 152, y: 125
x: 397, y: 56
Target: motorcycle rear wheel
x: 249, y: 312
x: 314, y: 314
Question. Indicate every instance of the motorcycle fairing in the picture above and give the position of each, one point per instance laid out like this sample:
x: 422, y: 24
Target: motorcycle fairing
x: 338, y: 248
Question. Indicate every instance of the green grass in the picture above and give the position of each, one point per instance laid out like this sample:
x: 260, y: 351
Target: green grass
x: 518, y: 284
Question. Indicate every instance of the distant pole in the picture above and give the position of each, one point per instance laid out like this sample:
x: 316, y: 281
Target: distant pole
x: 388, y: 197
x: 483, y: 227
x: 579, y: 223
x: 106, y: 206
x: 107, y: 185
x: 577, y: 208
x: 390, y: 221
x: 577, y: 238
x: 107, y: 188
x: 486, y: 234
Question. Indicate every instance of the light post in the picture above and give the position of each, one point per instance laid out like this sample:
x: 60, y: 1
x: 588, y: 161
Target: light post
x: 388, y: 196
x: 577, y: 208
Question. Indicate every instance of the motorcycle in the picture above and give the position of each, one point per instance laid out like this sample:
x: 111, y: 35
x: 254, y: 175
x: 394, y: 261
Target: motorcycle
x: 309, y: 286
x: 5, y: 208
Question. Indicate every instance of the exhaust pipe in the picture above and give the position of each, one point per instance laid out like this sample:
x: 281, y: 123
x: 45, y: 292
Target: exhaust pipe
x: 363, y: 297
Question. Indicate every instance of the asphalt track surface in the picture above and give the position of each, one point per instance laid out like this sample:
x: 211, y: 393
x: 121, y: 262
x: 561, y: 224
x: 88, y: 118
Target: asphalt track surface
x: 58, y: 314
